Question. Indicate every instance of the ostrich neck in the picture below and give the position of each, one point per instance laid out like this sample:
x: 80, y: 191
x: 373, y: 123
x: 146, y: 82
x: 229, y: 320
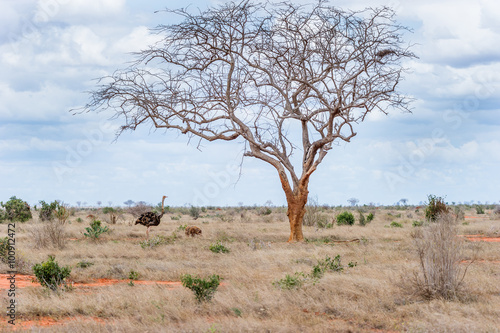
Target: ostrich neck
x: 162, y: 207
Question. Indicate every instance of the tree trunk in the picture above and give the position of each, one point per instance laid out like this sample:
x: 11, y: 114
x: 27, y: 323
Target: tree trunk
x: 296, y: 211
x: 296, y: 200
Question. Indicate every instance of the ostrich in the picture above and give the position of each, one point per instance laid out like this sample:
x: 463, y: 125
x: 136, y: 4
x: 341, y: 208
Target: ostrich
x: 151, y: 219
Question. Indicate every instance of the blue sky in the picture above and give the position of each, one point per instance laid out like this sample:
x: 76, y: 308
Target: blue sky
x: 52, y: 51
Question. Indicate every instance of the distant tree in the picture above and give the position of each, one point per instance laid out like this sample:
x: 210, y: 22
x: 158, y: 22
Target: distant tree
x: 99, y: 203
x: 129, y: 203
x: 353, y: 201
x: 79, y: 203
x: 261, y: 72
x: 403, y: 201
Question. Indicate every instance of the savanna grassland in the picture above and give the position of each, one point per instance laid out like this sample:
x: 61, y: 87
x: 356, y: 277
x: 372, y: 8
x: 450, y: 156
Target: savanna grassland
x: 372, y: 292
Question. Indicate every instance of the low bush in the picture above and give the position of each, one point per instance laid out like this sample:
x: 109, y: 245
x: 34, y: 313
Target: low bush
x: 50, y: 275
x: 459, y: 213
x: 112, y: 212
x: 370, y: 217
x: 4, y: 249
x: 218, y: 247
x: 194, y: 212
x: 345, y: 218
x: 362, y: 219
x: 290, y: 282
x: 417, y: 223
x: 204, y: 289
x: 479, y: 209
x: 84, y: 264
x: 95, y: 230
x: 158, y: 240
x: 47, y: 211
x: 435, y: 207
x: 395, y: 224
x: 133, y: 275
x: 440, y: 253
x: 15, y: 210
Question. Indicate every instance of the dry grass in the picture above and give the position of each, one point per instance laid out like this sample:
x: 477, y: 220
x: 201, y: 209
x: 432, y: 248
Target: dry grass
x: 365, y: 298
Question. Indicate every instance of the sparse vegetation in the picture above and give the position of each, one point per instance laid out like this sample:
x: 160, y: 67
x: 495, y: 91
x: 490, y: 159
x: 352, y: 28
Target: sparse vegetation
x: 158, y: 240
x: 258, y: 258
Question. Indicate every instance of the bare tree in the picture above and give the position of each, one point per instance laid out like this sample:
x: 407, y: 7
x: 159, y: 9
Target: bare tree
x: 129, y: 203
x: 353, y: 201
x: 282, y: 77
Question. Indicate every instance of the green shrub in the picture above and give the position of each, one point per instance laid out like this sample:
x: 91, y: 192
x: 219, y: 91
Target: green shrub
x: 218, y: 247
x: 362, y: 219
x: 345, y: 218
x: 4, y: 249
x: 327, y: 264
x: 159, y: 240
x: 95, y: 230
x: 204, y: 289
x: 15, y: 210
x: 479, y: 209
x: 84, y: 264
x: 395, y: 224
x: 370, y: 217
x: 50, y: 275
x: 417, y: 223
x: 435, y: 207
x: 112, y: 212
x: 194, y: 212
x: 47, y: 211
x: 133, y: 275
x: 290, y: 281
x: 459, y: 213
x: 333, y: 264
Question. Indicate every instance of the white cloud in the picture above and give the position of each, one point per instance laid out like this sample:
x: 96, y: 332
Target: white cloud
x: 71, y: 11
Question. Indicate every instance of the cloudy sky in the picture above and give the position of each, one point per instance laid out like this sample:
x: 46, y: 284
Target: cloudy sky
x: 51, y: 52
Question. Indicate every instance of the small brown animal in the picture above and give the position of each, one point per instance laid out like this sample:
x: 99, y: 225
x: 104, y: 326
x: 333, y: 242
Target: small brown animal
x: 193, y: 231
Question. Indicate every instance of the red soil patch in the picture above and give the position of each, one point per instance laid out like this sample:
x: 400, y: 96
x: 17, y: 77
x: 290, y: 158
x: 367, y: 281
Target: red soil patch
x: 473, y: 217
x: 46, y: 322
x: 479, y: 238
x: 481, y: 261
x: 23, y: 281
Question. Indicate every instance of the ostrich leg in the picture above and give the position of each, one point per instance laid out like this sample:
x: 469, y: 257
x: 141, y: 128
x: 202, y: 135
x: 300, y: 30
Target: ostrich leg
x: 147, y: 233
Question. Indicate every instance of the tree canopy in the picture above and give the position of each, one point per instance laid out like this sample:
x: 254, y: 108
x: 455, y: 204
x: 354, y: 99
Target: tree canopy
x: 260, y: 71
